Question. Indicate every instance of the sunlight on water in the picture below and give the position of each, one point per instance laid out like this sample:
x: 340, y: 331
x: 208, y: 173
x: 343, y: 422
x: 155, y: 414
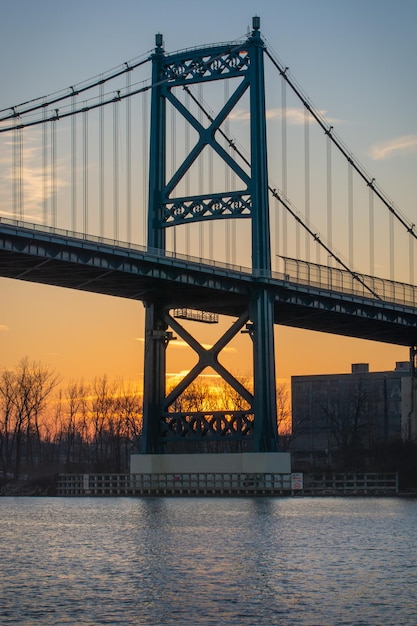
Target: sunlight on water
x: 208, y: 561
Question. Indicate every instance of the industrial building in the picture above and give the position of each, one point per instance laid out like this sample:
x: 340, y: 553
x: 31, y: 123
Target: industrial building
x: 337, y: 418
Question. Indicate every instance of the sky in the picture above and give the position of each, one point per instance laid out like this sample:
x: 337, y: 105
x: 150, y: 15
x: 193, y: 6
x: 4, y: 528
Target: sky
x: 354, y: 58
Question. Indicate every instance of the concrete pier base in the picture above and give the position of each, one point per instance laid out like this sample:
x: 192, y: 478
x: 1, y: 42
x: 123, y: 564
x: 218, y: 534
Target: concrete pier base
x: 239, y: 463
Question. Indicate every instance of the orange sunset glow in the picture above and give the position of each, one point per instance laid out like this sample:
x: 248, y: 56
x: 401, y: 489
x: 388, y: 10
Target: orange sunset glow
x: 82, y: 335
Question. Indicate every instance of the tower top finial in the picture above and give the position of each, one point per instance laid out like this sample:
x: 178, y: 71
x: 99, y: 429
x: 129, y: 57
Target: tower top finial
x: 159, y: 40
x: 256, y: 22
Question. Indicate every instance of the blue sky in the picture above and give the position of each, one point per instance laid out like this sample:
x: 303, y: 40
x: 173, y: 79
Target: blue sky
x: 355, y: 59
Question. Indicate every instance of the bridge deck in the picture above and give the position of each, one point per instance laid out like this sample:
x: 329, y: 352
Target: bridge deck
x: 39, y: 254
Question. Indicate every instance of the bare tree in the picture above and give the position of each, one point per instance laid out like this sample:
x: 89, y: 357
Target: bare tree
x: 230, y: 399
x: 7, y: 426
x: 130, y: 407
x: 284, y: 416
x: 24, y: 392
x: 101, y: 409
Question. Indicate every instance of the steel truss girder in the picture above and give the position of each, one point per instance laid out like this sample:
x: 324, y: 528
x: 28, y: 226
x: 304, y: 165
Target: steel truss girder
x: 178, y: 71
x: 171, y: 210
x: 212, y: 63
x: 208, y: 425
x: 162, y: 424
x: 206, y: 136
x: 237, y: 204
x: 207, y: 357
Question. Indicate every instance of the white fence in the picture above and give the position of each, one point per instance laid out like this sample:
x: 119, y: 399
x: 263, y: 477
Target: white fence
x: 209, y: 484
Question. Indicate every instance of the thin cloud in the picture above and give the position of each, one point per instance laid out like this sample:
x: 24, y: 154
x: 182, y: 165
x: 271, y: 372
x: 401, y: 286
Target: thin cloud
x: 3, y: 328
x: 180, y: 375
x: 183, y: 344
x: 35, y: 192
x: 399, y: 146
x: 295, y: 116
x: 239, y: 115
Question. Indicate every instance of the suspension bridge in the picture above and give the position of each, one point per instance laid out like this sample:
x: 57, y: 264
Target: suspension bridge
x: 179, y: 179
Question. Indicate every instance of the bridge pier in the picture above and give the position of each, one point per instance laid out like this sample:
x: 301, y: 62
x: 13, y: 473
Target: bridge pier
x: 156, y: 338
x: 253, y: 428
x: 265, y: 402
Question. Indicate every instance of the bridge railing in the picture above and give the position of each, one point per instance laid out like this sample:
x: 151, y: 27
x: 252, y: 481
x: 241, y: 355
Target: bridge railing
x: 295, y: 271
x: 335, y: 279
x: 87, y: 237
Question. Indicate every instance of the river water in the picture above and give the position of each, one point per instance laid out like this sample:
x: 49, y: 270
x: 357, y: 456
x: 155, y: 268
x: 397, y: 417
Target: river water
x: 162, y: 561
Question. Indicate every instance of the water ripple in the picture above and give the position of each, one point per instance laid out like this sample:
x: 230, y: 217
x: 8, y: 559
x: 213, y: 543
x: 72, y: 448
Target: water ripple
x: 163, y: 561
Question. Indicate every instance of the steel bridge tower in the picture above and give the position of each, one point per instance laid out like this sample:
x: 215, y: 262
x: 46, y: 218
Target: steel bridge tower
x: 255, y: 429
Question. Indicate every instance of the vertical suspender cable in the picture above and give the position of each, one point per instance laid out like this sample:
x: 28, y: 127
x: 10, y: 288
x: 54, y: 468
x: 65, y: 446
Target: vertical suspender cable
x: 284, y: 162
x: 44, y: 167
x: 411, y: 257
x: 145, y: 162
x: 187, y: 174
x: 14, y: 171
x: 275, y: 247
x: 227, y: 171
x: 233, y: 221
x: 232, y: 188
x: 350, y: 213
x: 128, y: 161
x: 371, y: 233
x: 211, y: 190
x: 201, y: 171
x: 391, y: 246
x: 73, y: 166
x: 173, y: 165
x: 276, y: 239
x: 53, y: 173
x: 307, y: 178
x: 275, y: 216
x: 21, y: 194
x: 297, y: 240
x: 116, y: 170
x: 101, y: 163
x: 17, y: 174
x: 276, y: 229
x: 85, y: 172
x: 329, y: 196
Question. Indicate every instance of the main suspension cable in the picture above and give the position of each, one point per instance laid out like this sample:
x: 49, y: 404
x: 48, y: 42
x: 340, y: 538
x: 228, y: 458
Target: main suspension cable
x: 49, y: 101
x: 340, y: 145
x: 280, y: 197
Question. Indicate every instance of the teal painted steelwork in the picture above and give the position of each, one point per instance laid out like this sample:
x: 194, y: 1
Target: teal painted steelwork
x: 155, y: 342
x: 262, y: 304
x: 256, y: 428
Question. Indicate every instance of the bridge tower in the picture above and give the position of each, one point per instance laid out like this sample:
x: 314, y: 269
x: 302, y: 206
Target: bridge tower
x: 255, y: 429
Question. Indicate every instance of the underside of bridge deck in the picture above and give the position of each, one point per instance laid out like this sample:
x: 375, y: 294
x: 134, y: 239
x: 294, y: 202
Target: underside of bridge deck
x: 141, y: 279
